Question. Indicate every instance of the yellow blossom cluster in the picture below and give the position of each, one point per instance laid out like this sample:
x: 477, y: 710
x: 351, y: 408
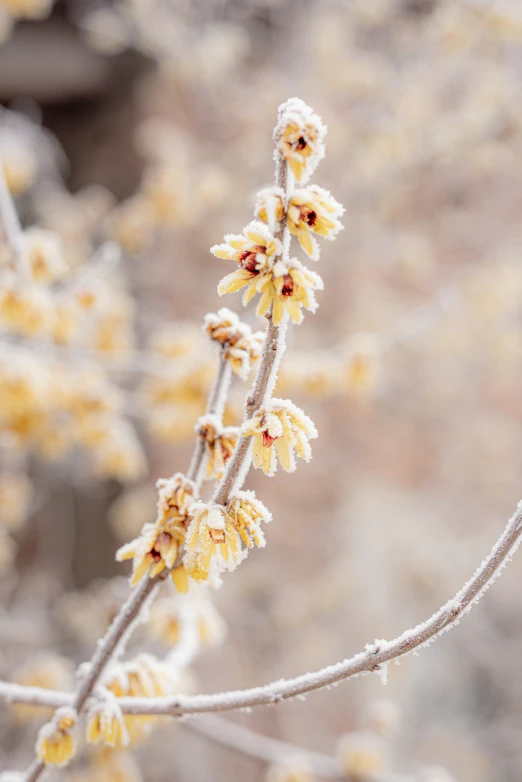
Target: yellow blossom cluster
x: 158, y: 544
x: 280, y: 431
x: 167, y: 616
x: 105, y: 722
x: 53, y: 408
x: 215, y: 534
x: 220, y: 442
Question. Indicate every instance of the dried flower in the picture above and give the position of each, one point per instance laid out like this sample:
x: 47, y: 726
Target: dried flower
x: 219, y: 442
x: 299, y: 136
x: 55, y: 743
x: 105, y: 722
x: 283, y: 425
x: 313, y: 211
x: 241, y: 346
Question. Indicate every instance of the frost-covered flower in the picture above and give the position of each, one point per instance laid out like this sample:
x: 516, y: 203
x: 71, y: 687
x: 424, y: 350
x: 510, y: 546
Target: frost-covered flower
x: 220, y: 442
x: 255, y: 250
x: 247, y: 513
x: 168, y: 615
x: 299, y: 136
x: 42, y: 255
x: 105, y: 722
x: 270, y: 206
x: 55, y: 743
x: 289, y: 287
x: 212, y: 541
x: 241, y: 346
x: 313, y: 210
x: 362, y: 755
x: 27, y: 310
x: 281, y: 428
x: 157, y: 546
x: 175, y: 496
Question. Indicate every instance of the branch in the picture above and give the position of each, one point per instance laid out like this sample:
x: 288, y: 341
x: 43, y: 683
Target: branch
x: 373, y: 658
x: 216, y: 404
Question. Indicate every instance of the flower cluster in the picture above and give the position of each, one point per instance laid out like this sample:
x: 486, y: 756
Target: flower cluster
x: 158, y: 544
x: 105, y: 722
x: 241, y: 346
x: 215, y: 533
x: 280, y: 431
x: 264, y: 266
x: 220, y: 442
x: 299, y: 136
x: 55, y: 743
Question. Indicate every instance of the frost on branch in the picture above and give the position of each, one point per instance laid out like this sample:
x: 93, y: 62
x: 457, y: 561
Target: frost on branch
x: 280, y: 431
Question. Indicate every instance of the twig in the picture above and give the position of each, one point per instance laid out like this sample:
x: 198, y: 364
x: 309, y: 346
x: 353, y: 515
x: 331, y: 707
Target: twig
x: 215, y: 406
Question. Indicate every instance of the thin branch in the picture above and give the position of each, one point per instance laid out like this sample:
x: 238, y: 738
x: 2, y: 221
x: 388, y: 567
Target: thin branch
x: 370, y: 660
x: 264, y: 748
x: 215, y: 406
x: 373, y: 658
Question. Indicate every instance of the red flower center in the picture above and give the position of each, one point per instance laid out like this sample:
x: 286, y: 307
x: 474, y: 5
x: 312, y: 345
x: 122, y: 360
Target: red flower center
x: 247, y: 259
x: 301, y: 143
x: 288, y: 286
x: 308, y: 216
x: 267, y: 439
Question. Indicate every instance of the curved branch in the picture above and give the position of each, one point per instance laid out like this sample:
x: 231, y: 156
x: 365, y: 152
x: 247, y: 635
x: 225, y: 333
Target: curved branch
x: 373, y: 658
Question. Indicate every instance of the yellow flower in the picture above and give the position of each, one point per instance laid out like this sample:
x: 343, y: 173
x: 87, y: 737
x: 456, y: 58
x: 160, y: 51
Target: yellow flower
x: 105, y: 723
x: 282, y: 424
x: 288, y: 287
x: 247, y: 513
x: 241, y: 346
x: 361, y: 755
x: 313, y: 211
x: 255, y: 251
x: 157, y: 546
x: 55, y: 744
x: 27, y: 311
x: 212, y: 540
x: 270, y: 206
x: 219, y: 442
x: 47, y: 670
x: 42, y: 255
x: 168, y: 616
x: 299, y: 136
x: 361, y: 364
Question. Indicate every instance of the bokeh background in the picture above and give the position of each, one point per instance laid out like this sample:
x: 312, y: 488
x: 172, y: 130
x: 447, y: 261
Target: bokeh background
x: 149, y: 123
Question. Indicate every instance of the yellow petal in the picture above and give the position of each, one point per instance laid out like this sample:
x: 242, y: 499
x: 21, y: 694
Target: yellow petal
x: 233, y: 282
x: 278, y: 310
x: 305, y: 240
x: 264, y: 303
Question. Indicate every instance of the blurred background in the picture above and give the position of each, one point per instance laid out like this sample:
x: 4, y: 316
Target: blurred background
x: 146, y: 125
